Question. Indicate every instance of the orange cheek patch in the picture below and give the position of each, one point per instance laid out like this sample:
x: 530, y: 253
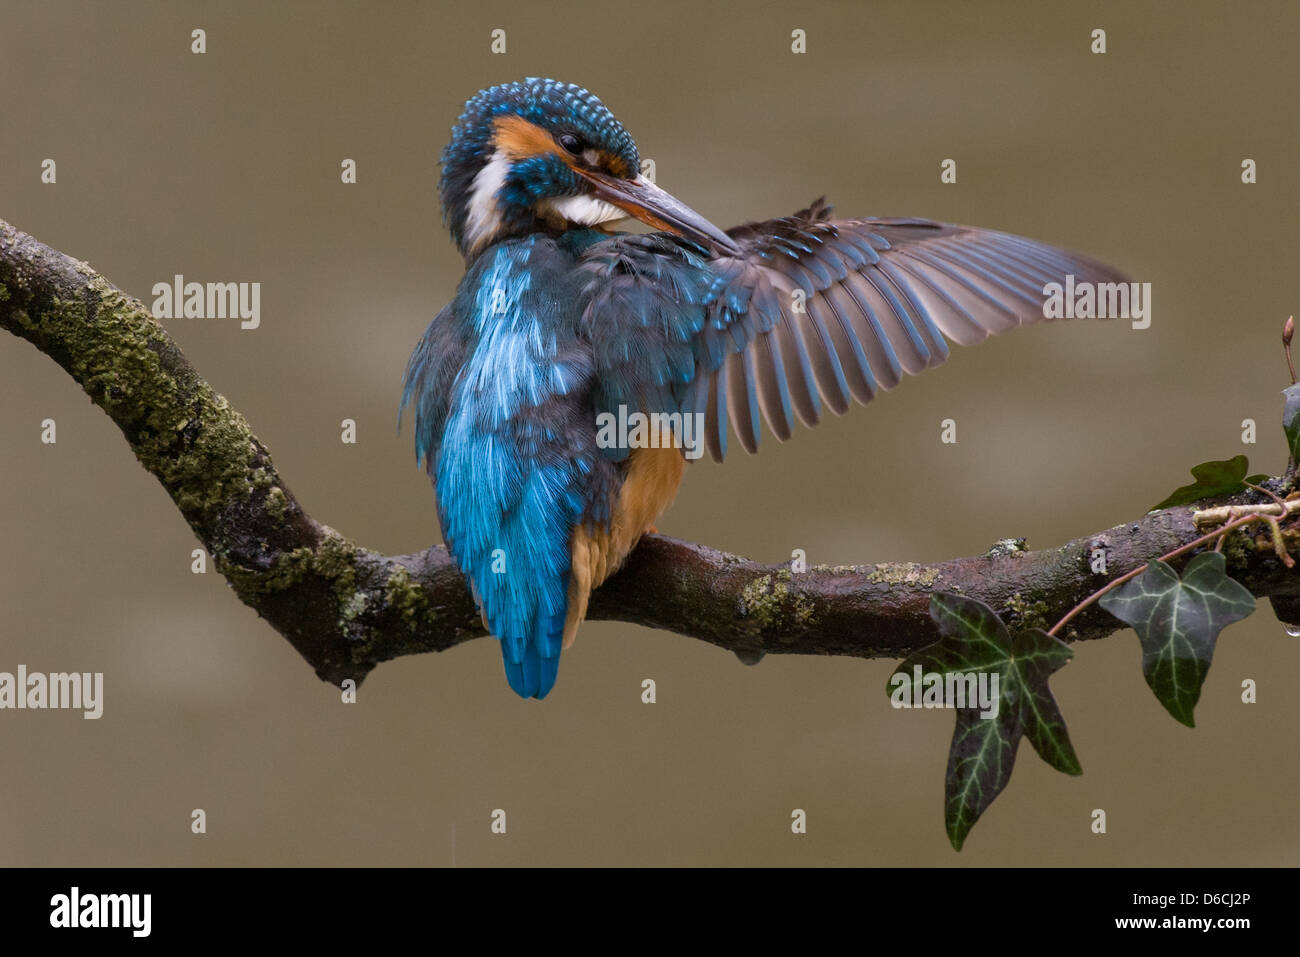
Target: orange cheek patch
x: 615, y: 165
x: 519, y: 139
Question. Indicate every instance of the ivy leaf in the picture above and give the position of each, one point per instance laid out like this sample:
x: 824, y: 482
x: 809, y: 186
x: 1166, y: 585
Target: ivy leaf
x: 1018, y: 703
x: 1178, y: 621
x: 1212, y: 478
x: 1291, y: 420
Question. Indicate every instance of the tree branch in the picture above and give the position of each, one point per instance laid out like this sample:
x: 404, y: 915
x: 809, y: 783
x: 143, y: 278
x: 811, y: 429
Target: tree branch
x: 346, y: 608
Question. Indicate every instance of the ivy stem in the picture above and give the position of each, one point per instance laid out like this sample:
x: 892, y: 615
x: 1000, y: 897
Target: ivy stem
x: 1273, y: 495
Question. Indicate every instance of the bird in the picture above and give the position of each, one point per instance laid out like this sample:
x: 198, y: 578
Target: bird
x: 564, y: 325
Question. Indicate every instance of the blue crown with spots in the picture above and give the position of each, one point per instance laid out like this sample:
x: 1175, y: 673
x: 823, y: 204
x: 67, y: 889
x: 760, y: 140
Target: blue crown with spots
x: 552, y: 105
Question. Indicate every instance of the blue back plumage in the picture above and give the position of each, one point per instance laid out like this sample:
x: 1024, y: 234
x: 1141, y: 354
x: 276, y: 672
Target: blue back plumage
x: 511, y: 445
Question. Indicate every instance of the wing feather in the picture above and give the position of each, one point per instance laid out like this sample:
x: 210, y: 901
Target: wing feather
x: 814, y: 310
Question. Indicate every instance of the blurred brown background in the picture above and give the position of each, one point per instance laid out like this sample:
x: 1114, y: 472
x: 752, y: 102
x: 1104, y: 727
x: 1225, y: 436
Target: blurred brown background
x: 225, y: 166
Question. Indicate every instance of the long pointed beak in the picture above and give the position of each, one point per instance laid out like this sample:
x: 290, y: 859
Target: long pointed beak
x: 650, y: 204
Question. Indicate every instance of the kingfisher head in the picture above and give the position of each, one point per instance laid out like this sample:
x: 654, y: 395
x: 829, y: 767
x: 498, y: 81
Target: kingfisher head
x: 540, y: 154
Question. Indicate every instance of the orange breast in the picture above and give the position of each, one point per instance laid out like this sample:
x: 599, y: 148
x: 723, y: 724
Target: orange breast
x: 650, y: 484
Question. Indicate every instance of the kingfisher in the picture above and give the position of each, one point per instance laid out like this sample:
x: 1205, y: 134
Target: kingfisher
x: 563, y: 329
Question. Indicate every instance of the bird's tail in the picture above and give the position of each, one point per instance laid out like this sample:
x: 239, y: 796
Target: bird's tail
x: 533, y: 677
x: 532, y: 664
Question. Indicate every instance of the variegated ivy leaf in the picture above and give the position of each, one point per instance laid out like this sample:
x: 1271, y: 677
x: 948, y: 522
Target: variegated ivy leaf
x: 1178, y: 620
x: 976, y: 657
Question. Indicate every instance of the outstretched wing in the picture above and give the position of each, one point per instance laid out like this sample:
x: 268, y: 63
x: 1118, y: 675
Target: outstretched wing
x: 812, y: 310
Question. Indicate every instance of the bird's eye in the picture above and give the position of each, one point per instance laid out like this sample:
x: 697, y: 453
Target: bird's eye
x: 571, y: 143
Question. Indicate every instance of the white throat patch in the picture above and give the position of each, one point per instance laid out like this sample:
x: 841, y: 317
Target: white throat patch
x: 582, y: 210
x: 483, y: 218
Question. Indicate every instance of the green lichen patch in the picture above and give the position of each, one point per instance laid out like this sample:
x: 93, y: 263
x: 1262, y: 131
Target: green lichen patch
x: 902, y: 573
x: 1007, y: 546
x: 353, y: 608
x: 771, y: 604
x: 179, y: 428
x: 1239, y: 543
x: 1028, y: 614
x: 276, y: 502
x: 405, y: 597
x: 334, y: 559
x: 208, y: 469
x: 288, y: 570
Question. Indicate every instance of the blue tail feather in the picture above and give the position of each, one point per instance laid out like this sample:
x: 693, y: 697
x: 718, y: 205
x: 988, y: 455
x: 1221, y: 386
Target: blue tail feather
x: 535, y: 676
x: 533, y: 664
